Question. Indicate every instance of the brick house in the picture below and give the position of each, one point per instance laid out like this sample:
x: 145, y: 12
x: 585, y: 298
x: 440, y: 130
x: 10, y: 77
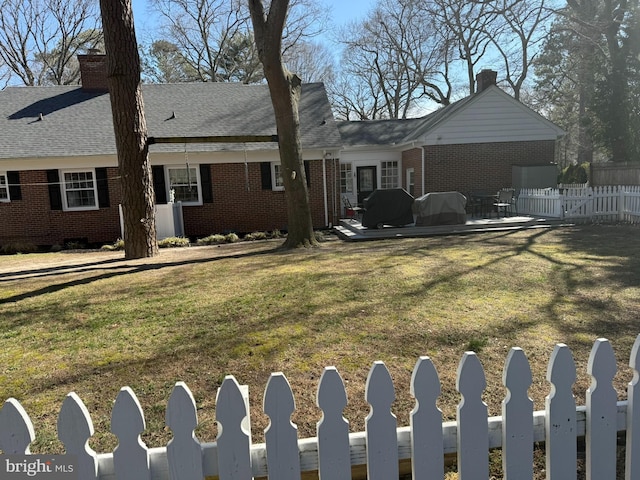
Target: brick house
x: 58, y: 163
x: 473, y: 144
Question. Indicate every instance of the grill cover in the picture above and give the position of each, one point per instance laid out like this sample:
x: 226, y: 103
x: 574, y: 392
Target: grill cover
x: 388, y: 207
x: 440, y: 208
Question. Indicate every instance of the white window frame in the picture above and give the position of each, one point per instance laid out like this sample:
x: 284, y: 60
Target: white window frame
x: 4, y: 187
x: 65, y: 190
x: 277, y: 183
x: 411, y: 181
x: 346, y: 178
x: 196, y: 180
x: 385, y: 167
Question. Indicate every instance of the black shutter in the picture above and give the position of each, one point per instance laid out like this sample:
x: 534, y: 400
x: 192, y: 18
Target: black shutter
x: 205, y: 179
x: 265, y: 174
x: 15, y: 192
x: 103, y: 187
x: 159, y: 186
x: 307, y: 172
x: 55, y: 193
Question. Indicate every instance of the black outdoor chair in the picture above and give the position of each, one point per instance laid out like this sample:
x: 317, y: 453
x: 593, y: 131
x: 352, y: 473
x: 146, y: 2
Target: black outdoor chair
x: 506, y: 201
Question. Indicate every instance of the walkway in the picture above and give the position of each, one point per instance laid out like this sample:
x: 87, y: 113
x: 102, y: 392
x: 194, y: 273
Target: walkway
x: 352, y: 230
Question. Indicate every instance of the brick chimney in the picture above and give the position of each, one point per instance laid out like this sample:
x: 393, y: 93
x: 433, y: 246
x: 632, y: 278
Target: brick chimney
x: 485, y: 79
x: 93, y: 71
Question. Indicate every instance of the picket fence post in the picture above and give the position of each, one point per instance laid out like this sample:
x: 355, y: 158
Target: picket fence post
x: 75, y: 428
x: 17, y: 432
x: 517, y: 418
x: 184, y: 452
x: 333, y: 429
x: 632, y: 453
x: 560, y: 420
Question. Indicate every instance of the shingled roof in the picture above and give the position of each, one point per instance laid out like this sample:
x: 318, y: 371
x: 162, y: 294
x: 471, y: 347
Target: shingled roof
x: 67, y: 121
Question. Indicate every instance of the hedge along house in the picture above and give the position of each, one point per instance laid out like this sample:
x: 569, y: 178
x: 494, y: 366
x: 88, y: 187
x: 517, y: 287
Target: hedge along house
x: 471, y: 145
x: 58, y: 162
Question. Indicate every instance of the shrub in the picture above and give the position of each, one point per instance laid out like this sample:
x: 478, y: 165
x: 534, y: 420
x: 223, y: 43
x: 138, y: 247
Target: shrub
x: 215, y: 239
x: 276, y: 234
x: 118, y: 245
x: 171, y: 242
x: 231, y: 238
x: 18, y: 247
x: 256, y: 236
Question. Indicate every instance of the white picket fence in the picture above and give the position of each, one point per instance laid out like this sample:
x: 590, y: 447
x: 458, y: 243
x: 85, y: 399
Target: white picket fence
x: 597, y: 204
x: 382, y: 445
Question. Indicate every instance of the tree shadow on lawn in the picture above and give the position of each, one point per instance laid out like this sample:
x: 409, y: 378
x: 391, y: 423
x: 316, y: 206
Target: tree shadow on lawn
x: 114, y: 268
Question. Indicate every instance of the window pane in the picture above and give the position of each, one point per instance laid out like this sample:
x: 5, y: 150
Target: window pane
x: 79, y: 189
x: 346, y: 179
x: 184, y: 184
x: 4, y: 189
x: 277, y: 173
x: 390, y: 175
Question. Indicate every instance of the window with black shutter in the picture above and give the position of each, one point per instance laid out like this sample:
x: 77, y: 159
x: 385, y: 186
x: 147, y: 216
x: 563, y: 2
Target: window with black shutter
x: 55, y: 194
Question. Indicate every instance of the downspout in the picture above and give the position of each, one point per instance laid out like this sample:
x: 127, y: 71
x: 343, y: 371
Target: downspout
x: 324, y: 188
x: 422, y: 170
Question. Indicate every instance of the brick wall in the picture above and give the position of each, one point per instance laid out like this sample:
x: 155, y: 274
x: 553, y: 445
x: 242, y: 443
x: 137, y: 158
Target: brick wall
x: 31, y: 219
x: 482, y: 166
x: 244, y: 207
x: 234, y: 208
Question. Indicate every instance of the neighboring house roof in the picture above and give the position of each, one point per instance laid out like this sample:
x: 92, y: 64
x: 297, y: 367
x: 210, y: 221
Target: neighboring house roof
x: 76, y: 122
x: 489, y: 116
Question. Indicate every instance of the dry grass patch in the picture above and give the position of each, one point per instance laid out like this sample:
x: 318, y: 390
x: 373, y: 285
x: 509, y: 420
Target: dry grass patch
x: 92, y: 322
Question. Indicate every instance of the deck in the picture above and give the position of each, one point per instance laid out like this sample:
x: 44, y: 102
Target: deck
x: 352, y: 229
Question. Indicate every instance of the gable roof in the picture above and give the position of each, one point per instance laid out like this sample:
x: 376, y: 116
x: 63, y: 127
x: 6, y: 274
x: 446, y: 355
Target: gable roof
x: 76, y: 122
x: 426, y: 129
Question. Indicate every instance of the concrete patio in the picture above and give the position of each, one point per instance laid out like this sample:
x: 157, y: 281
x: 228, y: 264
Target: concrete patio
x: 352, y: 229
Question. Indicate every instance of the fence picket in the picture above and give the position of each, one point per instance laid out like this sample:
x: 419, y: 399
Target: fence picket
x: 426, y: 420
x: 184, y: 452
x: 16, y: 429
x: 517, y: 415
x: 131, y: 456
x: 632, y: 465
x: 333, y: 429
x: 560, y: 419
x: 75, y: 428
x: 380, y: 425
x: 602, y: 411
x: 473, y: 428
x: 283, y: 460
x: 234, y: 457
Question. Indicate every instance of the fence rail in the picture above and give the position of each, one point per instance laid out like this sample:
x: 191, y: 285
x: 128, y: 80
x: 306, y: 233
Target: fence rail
x: 598, y: 204
x: 334, y: 452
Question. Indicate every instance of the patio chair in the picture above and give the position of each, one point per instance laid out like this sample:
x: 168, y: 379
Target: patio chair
x: 352, y: 211
x: 506, y: 201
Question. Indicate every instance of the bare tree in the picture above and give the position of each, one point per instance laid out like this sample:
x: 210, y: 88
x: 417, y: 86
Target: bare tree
x: 466, y: 26
x: 394, y: 56
x: 127, y: 107
x: 215, y: 37
x: 285, y: 89
x: 40, y: 39
x: 312, y: 61
x: 521, y: 29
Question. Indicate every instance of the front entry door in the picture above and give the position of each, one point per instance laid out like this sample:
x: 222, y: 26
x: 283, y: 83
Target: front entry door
x: 367, y: 182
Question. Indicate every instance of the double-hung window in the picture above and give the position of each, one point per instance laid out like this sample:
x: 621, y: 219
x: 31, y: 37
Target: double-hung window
x: 276, y: 172
x: 389, y: 175
x: 184, y: 184
x: 4, y: 187
x: 79, y: 190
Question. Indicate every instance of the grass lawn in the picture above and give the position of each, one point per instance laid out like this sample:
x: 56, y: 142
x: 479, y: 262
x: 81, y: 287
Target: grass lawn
x: 92, y: 322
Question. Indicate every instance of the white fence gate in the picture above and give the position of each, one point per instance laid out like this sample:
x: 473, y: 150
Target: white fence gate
x: 598, y: 204
x: 335, y: 451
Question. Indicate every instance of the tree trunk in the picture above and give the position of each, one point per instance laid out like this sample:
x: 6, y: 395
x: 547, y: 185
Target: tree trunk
x: 285, y: 88
x: 127, y: 107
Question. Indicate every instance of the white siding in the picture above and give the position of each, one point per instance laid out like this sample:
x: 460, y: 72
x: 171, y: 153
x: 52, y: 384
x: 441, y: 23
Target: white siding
x: 493, y: 117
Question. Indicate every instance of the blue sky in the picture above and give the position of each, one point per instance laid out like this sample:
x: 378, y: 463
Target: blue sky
x: 342, y: 12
